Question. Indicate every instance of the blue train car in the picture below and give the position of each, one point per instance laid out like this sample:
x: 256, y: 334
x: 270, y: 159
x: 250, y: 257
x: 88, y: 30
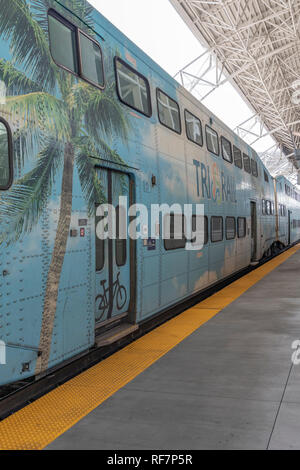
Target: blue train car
x: 86, y: 118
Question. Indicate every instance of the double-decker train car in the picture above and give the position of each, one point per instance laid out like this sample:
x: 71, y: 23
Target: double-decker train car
x: 86, y: 118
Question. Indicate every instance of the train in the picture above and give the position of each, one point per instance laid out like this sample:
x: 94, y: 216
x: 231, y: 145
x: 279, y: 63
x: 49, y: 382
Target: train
x: 86, y: 117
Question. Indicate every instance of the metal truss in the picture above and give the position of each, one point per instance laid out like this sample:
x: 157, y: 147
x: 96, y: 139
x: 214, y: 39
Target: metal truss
x: 255, y: 45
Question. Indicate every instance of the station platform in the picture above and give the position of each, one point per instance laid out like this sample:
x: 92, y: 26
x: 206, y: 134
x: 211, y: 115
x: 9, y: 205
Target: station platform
x: 218, y: 376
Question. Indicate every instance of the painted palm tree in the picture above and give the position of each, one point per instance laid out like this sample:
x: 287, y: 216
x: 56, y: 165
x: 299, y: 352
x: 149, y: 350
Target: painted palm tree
x: 59, y: 119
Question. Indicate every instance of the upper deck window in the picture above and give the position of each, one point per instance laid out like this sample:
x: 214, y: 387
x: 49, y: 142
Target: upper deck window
x: 266, y: 176
x: 212, y: 141
x: 247, y: 164
x: 237, y: 154
x: 133, y: 88
x: 193, y: 128
x: 63, y: 42
x: 226, y: 150
x: 254, y: 168
x: 75, y: 51
x: 168, y: 112
x: 91, y: 60
x: 5, y: 156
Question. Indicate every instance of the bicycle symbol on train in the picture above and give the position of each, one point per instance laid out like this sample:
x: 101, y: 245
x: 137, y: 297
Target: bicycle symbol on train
x: 102, y: 300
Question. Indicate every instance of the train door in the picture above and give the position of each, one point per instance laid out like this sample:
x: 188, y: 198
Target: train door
x: 113, y: 268
x: 289, y: 227
x: 253, y: 231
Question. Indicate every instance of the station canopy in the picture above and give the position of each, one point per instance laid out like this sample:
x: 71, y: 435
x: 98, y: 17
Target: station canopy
x: 258, y: 44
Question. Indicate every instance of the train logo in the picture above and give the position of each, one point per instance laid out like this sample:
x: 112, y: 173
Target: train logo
x: 214, y: 184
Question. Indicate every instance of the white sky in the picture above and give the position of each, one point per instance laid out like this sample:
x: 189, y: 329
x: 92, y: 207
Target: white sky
x: 158, y: 30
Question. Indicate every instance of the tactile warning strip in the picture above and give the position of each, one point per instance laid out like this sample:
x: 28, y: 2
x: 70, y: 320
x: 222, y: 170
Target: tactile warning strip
x: 41, y: 422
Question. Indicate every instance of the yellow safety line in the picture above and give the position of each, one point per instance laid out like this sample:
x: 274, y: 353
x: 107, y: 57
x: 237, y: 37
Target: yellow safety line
x: 40, y: 423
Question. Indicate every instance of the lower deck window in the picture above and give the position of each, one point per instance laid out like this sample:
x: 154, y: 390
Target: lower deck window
x: 5, y: 156
x: 272, y: 208
x: 230, y: 228
x: 203, y: 224
x: 241, y: 227
x: 174, y: 237
x: 216, y: 229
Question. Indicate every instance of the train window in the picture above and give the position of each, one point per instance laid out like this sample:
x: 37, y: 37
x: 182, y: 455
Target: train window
x: 91, y: 60
x: 216, y: 229
x: 205, y: 228
x: 174, y: 237
x: 230, y: 228
x: 263, y: 207
x: 226, y: 150
x: 247, y: 164
x: 241, y: 227
x: 237, y: 155
x: 168, y: 112
x: 100, y: 257
x: 272, y: 208
x: 266, y: 177
x: 5, y: 156
x: 268, y: 207
x: 193, y: 128
x: 133, y: 89
x: 254, y: 168
x: 62, y: 37
x: 121, y: 244
x: 212, y: 140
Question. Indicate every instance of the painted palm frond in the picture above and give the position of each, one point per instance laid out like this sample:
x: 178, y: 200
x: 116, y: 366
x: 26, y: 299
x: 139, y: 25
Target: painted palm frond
x: 16, y: 82
x: 90, y: 183
x: 104, y: 117
x: 80, y: 8
x: 27, y: 142
x: 28, y: 43
x: 40, y: 112
x: 23, y: 205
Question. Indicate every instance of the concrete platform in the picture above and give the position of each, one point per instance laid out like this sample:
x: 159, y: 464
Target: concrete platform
x: 229, y: 385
